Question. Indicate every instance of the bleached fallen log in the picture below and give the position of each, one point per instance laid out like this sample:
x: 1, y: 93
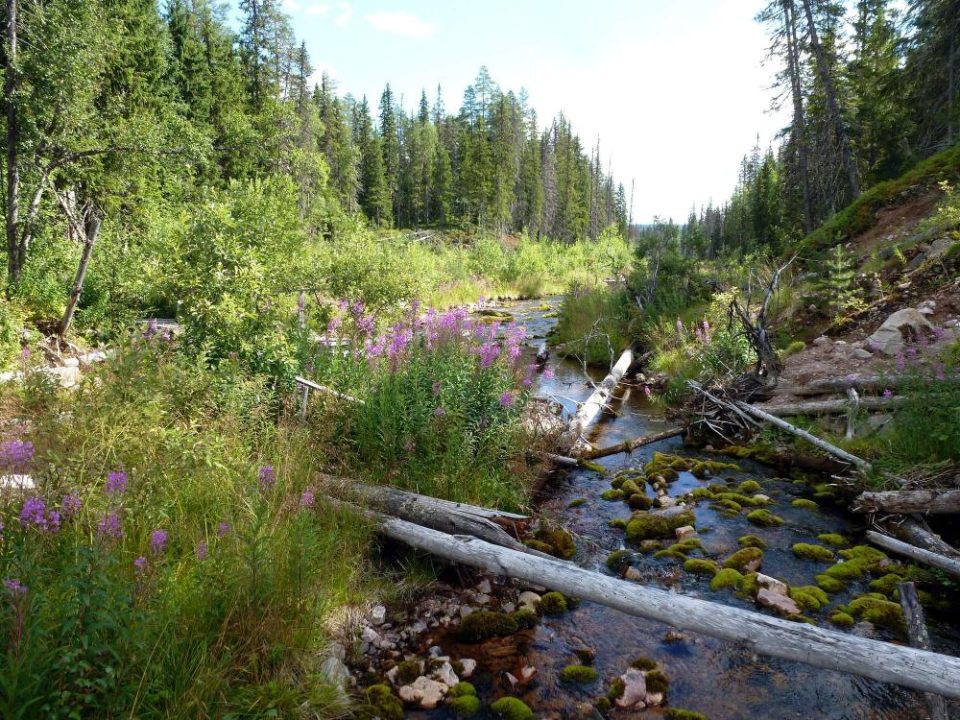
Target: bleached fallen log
x: 629, y: 446
x: 920, y: 638
x: 591, y: 409
x: 948, y: 565
x: 764, y: 634
x: 812, y: 439
x: 852, y: 412
x: 863, y: 383
x: 831, y: 407
x: 936, y: 502
x: 916, y: 533
x: 311, y: 385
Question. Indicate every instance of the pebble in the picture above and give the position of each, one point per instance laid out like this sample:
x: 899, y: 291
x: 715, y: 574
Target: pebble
x: 484, y: 587
x: 772, y: 584
x: 378, y: 614
x: 469, y: 665
x: 684, y: 532
x: 633, y: 573
x: 634, y: 690
x: 782, y: 604
x: 528, y: 600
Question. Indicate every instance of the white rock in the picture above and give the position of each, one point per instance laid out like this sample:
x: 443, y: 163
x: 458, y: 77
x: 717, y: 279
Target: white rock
x: 71, y: 362
x: 484, y: 587
x: 684, y: 532
x: 428, y: 693
x: 527, y: 673
x: 446, y: 675
x: 17, y: 482
x: 889, y: 337
x: 634, y: 690
x: 469, y: 666
x: 654, y: 699
x: 512, y: 679
x: 772, y: 584
x: 370, y: 635
x: 822, y: 341
x: 378, y: 614
x: 665, y: 501
x: 391, y: 674
x: 508, y: 607
x: 862, y: 354
x: 528, y: 600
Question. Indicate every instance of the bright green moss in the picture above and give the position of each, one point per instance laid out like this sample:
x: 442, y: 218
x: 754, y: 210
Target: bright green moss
x: 865, y: 554
x: 657, y: 681
x: 579, y: 502
x: 619, y: 559
x: 612, y: 495
x: 878, y: 611
x: 741, y: 559
x: 751, y: 541
x: 618, y: 523
x: 812, y: 552
x: 809, y: 597
x: 749, y: 487
x: 730, y: 505
x: 629, y: 487
x: 669, y: 554
x: 462, y: 688
x: 644, y: 663
x: 539, y: 546
x: 525, y: 619
x: 835, y: 539
x: 687, y: 545
x: 482, y: 625
x: 382, y: 703
x: 846, y: 572
x: 616, y: 689
x: 603, y: 704
x: 829, y: 584
x: 726, y: 578
x: 842, y: 619
x: 805, y: 503
x: 764, y: 518
x: 649, y: 526
x: 697, y: 566
x: 560, y: 541
x: 639, y: 501
x: 680, y: 714
x: 748, y: 585
x: 887, y: 585
x: 510, y: 708
x: 466, y: 706
x: 553, y: 603
x: 578, y: 674
x: 700, y: 493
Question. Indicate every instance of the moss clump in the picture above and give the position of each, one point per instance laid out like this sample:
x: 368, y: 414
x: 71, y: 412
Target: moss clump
x: 686, y: 546
x: 730, y: 505
x: 742, y: 500
x: 525, y: 619
x: 679, y: 714
x: 700, y: 493
x: 812, y: 552
x: 728, y: 577
x: 657, y: 681
x: 462, y: 688
x: 629, y: 488
x: 382, y: 703
x: 835, y: 539
x: 805, y: 503
x: 809, y: 597
x: 407, y: 672
x: 887, y: 585
x: 842, y: 619
x: 539, y: 546
x: 751, y: 541
x: 603, y: 704
x: 579, y: 502
x: 619, y: 559
x: 863, y: 554
x: 744, y: 557
x: 644, y: 663
x: 616, y: 689
x: 829, y: 584
x: 560, y: 542
x: 579, y: 674
x: 764, y: 518
x: 612, y: 495
x: 748, y: 585
x: 878, y: 610
x: 846, y: 572
x: 553, y: 603
x: 510, y: 708
x: 649, y: 526
x: 749, y: 487
x: 639, y: 501
x: 482, y: 625
x: 697, y: 566
x: 618, y: 523
x: 466, y: 706
x: 669, y: 554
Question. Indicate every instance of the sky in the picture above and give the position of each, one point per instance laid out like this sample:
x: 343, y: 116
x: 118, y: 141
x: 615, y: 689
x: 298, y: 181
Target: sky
x: 676, y: 90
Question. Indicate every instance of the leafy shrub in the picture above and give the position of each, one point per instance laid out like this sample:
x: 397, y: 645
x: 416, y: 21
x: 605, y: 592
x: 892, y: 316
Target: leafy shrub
x: 595, y: 323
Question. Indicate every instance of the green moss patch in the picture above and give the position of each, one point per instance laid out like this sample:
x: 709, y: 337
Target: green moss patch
x: 553, y: 603
x: 619, y: 559
x: 510, y: 708
x: 749, y: 487
x: 525, y: 619
x: 560, y: 542
x: 649, y: 526
x: 726, y: 578
x: 834, y: 539
x: 842, y: 619
x: 644, y: 663
x: 579, y: 502
x: 681, y: 714
x: 744, y: 557
x: 748, y: 584
x: 466, y: 706
x: 813, y: 552
x: 613, y: 494
x: 887, y: 585
x: 462, y: 688
x: 805, y: 503
x: 639, y: 501
x: 764, y: 518
x: 482, y: 625
x: 382, y: 703
x: 579, y: 674
x: 657, y: 681
x: 751, y: 541
x: 829, y: 584
x: 878, y: 610
x: 809, y: 597
x: 697, y: 566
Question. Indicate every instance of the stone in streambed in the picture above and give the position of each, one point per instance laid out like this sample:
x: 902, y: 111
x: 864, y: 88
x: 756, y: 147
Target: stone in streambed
x: 772, y: 584
x: 781, y: 604
x: 634, y: 690
x: 423, y: 691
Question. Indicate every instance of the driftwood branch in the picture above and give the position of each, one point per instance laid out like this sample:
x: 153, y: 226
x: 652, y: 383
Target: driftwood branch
x: 937, y: 502
x: 948, y: 565
x: 629, y: 446
x: 311, y: 385
x: 862, y: 383
x: 918, y: 669
x: 920, y: 638
x: 919, y: 534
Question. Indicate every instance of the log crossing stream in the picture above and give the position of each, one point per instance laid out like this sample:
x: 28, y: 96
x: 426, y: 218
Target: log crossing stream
x: 722, y: 680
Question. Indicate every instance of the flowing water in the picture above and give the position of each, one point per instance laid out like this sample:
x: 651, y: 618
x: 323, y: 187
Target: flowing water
x: 721, y: 679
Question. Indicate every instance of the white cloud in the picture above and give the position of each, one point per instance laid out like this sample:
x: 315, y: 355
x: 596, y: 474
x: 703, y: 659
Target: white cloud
x: 321, y: 10
x: 319, y: 68
x: 291, y: 5
x: 401, y: 23
x: 344, y: 13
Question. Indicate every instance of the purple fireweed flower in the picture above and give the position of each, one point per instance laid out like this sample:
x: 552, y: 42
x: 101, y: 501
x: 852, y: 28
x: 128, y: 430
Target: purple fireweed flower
x: 939, y: 333
x: 647, y: 392
x: 333, y: 325
x: 25, y: 353
x: 151, y: 328
x: 140, y: 564
x: 266, y: 477
x: 367, y: 324
x: 548, y: 374
x: 15, y: 453
x: 308, y: 498
x: 513, y: 352
x: 34, y: 512
x: 938, y: 372
x: 70, y: 505
x: 109, y: 526
x: 116, y: 482
x: 488, y: 352
x: 901, y: 362
x: 158, y: 541
x: 202, y: 551
x: 439, y: 412
x: 2, y: 526
x: 357, y: 308
x: 222, y: 529
x: 506, y: 399
x: 14, y: 586
x: 436, y: 388
x: 343, y: 305
x: 888, y: 393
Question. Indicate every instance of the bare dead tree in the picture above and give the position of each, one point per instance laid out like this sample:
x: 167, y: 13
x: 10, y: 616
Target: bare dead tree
x: 87, y: 227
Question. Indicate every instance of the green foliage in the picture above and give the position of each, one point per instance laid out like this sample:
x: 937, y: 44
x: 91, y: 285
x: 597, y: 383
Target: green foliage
x: 839, y: 284
x: 594, y: 324
x: 510, y: 708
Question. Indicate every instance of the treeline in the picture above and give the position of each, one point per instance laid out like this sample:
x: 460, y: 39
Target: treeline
x: 871, y: 91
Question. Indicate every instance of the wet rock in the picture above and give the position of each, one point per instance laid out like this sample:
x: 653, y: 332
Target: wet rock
x: 633, y: 573
x: 446, y: 675
x: 684, y: 532
x: 378, y: 615
x: 634, y: 690
x: 781, y: 604
x: 528, y: 600
x: 484, y: 587
x: 527, y: 673
x: 674, y: 636
x: 772, y: 584
x: 862, y: 354
x: 468, y: 667
x: 423, y: 691
x: 654, y: 699
x: 508, y: 607
x: 369, y: 635
x: 890, y: 337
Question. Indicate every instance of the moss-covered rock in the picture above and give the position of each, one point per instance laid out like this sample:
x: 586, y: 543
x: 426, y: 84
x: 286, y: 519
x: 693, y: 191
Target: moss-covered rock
x: 809, y: 597
x: 511, y: 708
x: 466, y: 706
x: 764, y: 518
x: 730, y: 504
x: 749, y: 487
x: 639, y: 501
x: 616, y: 689
x: 813, y: 552
x: 887, y: 584
x: 670, y: 554
x: 629, y: 487
x: 698, y: 566
x: 539, y: 546
x: 618, y: 523
x: 746, y: 559
x: 835, y: 539
x: 462, y: 688
x: 603, y: 704
x: 382, y: 703
x: 553, y: 603
x: 407, y: 672
x: 726, y: 578
x: 687, y: 545
x: 751, y: 541
x: 578, y: 502
x: 482, y: 625
x: 644, y: 663
x: 653, y: 525
x: 805, y: 503
x: 878, y: 610
x: 700, y: 493
x: 579, y: 674
x: 681, y: 714
x: 842, y: 619
x: 657, y: 681
x: 865, y: 554
x: 619, y: 559
x: 560, y: 541
x: 749, y: 585
x: 612, y: 494
x: 525, y: 619
x: 829, y: 584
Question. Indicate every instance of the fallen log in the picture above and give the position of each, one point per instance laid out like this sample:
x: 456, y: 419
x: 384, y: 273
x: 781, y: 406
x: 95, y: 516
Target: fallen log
x: 948, y: 565
x: 311, y: 385
x: 572, y: 462
x: 812, y: 439
x: 591, y: 409
x: 918, y: 534
x: 629, y: 446
x: 764, y: 634
x: 863, y: 383
x: 920, y: 638
x: 832, y: 407
x: 934, y: 502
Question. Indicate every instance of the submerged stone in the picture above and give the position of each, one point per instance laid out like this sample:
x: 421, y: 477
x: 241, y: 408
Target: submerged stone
x: 764, y: 518
x: 813, y: 552
x: 747, y: 559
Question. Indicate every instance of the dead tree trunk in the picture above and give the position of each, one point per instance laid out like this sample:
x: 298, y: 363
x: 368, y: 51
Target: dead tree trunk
x: 935, y: 502
x: 629, y: 446
x: 799, y: 135
x: 591, y: 409
x: 91, y: 230
x: 948, y: 565
x: 13, y: 144
x: 756, y: 331
x: 920, y: 638
x: 831, y: 407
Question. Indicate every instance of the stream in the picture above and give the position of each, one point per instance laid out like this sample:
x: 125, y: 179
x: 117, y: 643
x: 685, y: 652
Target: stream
x: 722, y: 680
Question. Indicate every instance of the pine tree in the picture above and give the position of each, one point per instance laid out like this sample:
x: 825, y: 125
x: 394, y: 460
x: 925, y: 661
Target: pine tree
x: 374, y: 196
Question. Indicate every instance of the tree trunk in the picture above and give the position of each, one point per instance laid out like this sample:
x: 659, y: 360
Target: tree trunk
x: 799, y: 122
x: 937, y: 502
x: 831, y: 407
x: 920, y: 638
x: 915, y: 533
x: 829, y: 90
x: 91, y: 230
x: 764, y: 634
x: 629, y: 446
x: 14, y: 264
x: 590, y: 410
x: 948, y: 565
